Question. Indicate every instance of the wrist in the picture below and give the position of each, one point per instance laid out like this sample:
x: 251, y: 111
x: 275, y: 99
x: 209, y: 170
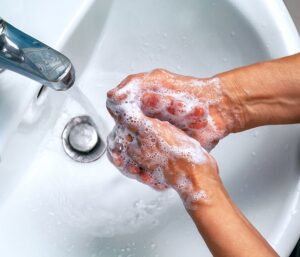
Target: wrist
x: 208, y: 194
x: 264, y: 93
x: 233, y: 105
x: 199, y: 186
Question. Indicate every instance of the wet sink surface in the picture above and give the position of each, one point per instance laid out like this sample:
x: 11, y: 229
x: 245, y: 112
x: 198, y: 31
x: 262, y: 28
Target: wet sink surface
x: 59, y: 207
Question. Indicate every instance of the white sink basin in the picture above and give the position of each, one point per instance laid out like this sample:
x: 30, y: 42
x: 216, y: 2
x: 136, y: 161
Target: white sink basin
x: 51, y: 205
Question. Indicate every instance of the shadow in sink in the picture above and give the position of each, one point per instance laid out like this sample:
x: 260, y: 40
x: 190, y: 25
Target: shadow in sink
x: 267, y: 172
x: 80, y: 46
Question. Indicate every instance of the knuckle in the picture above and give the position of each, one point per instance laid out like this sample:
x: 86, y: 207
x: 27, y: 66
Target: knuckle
x: 157, y: 71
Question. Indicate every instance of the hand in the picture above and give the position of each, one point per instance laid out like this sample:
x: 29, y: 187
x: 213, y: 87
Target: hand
x: 196, y: 106
x: 146, y: 147
x: 157, y: 153
x: 160, y: 155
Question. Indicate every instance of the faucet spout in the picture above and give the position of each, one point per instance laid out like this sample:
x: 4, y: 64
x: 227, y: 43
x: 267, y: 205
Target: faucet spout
x: 27, y: 56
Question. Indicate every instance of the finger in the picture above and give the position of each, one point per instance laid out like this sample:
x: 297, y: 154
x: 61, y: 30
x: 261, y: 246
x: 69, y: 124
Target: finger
x: 116, y: 159
x: 116, y: 114
x: 117, y: 143
x: 135, y: 153
x: 168, y: 108
x: 114, y: 94
x: 130, y: 78
x: 133, y: 168
x: 206, y: 138
x: 146, y: 176
x: 111, y: 112
x: 148, y: 179
x: 197, y: 124
x: 197, y: 112
x: 151, y: 102
x: 138, y: 167
x: 161, y: 105
x: 159, y: 78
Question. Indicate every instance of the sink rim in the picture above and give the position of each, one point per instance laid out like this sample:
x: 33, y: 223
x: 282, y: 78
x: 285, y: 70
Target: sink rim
x: 288, y: 38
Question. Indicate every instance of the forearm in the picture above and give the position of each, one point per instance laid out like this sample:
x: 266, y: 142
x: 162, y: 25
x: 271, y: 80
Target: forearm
x: 264, y: 93
x: 224, y: 228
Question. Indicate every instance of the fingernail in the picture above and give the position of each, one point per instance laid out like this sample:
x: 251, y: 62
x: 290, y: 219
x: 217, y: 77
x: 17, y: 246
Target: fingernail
x: 198, y: 125
x: 150, y: 100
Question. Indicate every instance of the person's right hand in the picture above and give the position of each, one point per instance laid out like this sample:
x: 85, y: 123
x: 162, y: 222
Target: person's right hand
x: 155, y: 152
x: 161, y: 156
x: 196, y: 106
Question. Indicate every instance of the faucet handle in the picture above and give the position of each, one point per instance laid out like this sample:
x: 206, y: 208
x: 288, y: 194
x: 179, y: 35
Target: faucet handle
x: 25, y: 55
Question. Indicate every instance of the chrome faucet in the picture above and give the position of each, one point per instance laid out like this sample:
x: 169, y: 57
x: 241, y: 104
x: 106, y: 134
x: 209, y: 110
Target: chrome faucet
x: 27, y: 56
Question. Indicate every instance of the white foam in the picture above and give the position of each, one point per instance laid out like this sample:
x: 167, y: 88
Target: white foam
x: 128, y: 113
x: 194, y: 198
x: 190, y: 97
x: 183, y: 184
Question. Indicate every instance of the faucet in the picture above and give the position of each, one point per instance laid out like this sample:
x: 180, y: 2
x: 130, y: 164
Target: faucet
x: 27, y: 56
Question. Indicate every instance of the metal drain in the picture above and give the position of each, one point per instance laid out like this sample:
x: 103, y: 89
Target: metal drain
x: 81, y: 140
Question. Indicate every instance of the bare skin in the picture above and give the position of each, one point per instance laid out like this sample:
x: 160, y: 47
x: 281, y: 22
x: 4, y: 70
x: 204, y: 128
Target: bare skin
x: 171, y: 108
x: 260, y: 94
x: 266, y: 93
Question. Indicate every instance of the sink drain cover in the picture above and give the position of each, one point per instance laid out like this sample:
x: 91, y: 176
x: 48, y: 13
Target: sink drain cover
x: 81, y: 140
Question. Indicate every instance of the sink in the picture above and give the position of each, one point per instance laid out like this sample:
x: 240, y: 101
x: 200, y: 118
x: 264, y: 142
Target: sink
x: 51, y: 205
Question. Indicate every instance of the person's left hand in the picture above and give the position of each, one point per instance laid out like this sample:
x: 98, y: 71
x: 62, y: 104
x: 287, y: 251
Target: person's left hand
x: 194, y: 105
x: 155, y: 152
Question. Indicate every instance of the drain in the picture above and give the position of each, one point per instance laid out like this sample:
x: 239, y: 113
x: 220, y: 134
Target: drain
x: 81, y: 140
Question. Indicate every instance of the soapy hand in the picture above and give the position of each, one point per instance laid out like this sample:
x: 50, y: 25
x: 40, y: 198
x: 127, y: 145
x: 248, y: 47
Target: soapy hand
x: 160, y: 155
x: 163, y: 119
x: 196, y: 106
x: 154, y: 151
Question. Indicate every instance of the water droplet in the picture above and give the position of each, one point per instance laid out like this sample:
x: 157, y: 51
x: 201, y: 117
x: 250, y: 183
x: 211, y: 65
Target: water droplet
x: 162, y: 47
x: 232, y: 33
x: 294, y: 212
x: 253, y: 154
x: 138, y: 203
x: 153, y: 246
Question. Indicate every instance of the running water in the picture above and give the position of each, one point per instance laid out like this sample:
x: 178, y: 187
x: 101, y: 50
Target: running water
x: 76, y: 94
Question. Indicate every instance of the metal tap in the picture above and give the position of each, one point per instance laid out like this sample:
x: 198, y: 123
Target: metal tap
x: 27, y: 56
